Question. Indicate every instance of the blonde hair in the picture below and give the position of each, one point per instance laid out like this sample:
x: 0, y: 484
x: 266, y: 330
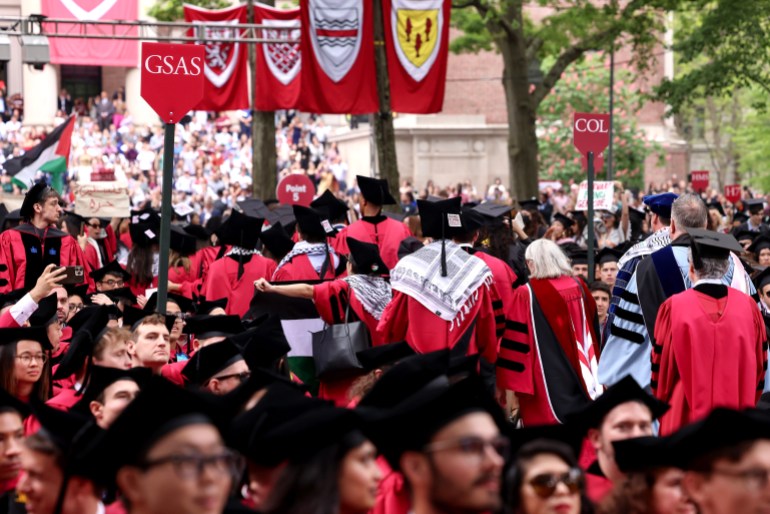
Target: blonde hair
x: 548, y: 260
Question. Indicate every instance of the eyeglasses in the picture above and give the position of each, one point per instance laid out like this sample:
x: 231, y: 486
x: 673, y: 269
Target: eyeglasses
x: 27, y: 358
x: 112, y: 283
x: 75, y: 307
x: 756, y: 478
x: 475, y: 446
x: 545, y: 485
x: 191, y: 466
x: 178, y: 315
x: 242, y: 377
x: 94, y: 225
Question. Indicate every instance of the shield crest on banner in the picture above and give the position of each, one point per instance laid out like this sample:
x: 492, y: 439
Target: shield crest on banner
x: 93, y: 14
x: 417, y: 27
x: 283, y: 59
x: 221, y: 57
x: 336, y: 29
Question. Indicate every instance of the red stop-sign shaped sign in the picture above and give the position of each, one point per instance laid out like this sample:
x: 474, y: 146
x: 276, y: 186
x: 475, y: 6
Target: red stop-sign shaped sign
x: 591, y: 132
x: 699, y: 180
x: 733, y: 193
x: 295, y: 189
x: 172, y: 78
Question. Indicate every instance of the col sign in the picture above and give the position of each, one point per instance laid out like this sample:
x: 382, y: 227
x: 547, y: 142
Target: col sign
x: 733, y: 193
x: 295, y: 189
x: 591, y: 132
x: 699, y: 180
x: 172, y: 78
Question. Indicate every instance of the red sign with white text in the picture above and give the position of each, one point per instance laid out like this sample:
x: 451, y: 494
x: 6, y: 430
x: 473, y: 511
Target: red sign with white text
x: 172, y: 78
x: 699, y: 180
x: 295, y: 189
x: 591, y: 132
x: 733, y: 193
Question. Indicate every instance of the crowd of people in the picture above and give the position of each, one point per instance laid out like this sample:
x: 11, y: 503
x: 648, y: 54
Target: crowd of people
x: 385, y: 350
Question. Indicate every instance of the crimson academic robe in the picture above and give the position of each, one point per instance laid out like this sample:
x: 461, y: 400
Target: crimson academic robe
x: 173, y: 372
x: 708, y: 352
x: 187, y: 280
x: 393, y: 495
x: 300, y: 269
x: 222, y: 281
x: 385, y: 232
x: 504, y: 278
x: 26, y: 254
x: 407, y: 319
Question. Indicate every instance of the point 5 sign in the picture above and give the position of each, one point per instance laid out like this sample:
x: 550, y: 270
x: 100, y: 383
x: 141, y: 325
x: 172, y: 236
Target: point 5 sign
x: 172, y: 78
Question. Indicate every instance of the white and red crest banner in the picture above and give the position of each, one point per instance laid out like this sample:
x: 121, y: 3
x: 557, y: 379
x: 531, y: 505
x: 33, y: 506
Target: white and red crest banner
x: 278, y: 64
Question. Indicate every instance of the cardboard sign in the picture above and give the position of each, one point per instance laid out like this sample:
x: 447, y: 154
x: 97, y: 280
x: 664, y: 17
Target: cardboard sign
x: 604, y: 196
x: 699, y: 180
x: 172, y: 78
x: 733, y: 193
x: 591, y: 132
x: 295, y: 189
x: 102, y: 200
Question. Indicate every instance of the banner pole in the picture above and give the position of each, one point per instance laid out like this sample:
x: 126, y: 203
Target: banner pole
x: 165, y: 215
x: 590, y: 225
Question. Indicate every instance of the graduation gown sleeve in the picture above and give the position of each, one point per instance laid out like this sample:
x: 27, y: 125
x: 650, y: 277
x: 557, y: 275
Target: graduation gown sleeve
x: 514, y: 360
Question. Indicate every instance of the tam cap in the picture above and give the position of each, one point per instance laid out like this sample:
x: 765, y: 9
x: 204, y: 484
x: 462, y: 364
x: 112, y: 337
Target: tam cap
x: 660, y: 203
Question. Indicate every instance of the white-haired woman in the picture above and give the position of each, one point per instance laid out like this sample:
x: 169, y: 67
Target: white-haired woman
x: 550, y: 363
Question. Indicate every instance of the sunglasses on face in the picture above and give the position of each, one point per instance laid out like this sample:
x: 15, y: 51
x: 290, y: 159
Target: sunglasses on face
x: 545, y: 485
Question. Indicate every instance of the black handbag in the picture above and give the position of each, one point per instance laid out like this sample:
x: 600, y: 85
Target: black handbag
x: 335, y: 347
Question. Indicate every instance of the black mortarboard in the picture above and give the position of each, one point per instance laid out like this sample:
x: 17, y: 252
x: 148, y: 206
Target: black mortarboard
x: 83, y: 341
x: 398, y: 216
x: 755, y: 205
x: 635, y: 216
x: 312, y: 222
x: 493, y: 210
x: 144, y: 227
x: 100, y: 378
x: 33, y: 196
x: 718, y: 206
x: 608, y: 255
x: 11, y: 219
x: 529, y: 204
x: 644, y: 453
x: 3, y: 215
x: 210, y: 360
x: 206, y: 326
x: 182, y: 242
x: 335, y: 208
x: 563, y: 433
x: 205, y: 307
x: 80, y: 290
x: 384, y: 355
x: 564, y: 220
x: 121, y: 293
x: 375, y: 190
x: 263, y: 345
x: 254, y: 207
x: 472, y: 220
x: 762, y: 279
x: 759, y: 244
x: 184, y: 303
x: 11, y: 297
x: 366, y: 257
x: 8, y: 402
x: 60, y: 427
x: 45, y: 312
x: 277, y: 241
x: 199, y: 232
x: 740, y: 217
x: 578, y: 257
x: 579, y: 216
x: 626, y: 390
x: 132, y: 318
x: 111, y: 268
x: 711, y: 245
x: 746, y: 235
x: 437, y: 218
x: 283, y: 214
x: 240, y: 230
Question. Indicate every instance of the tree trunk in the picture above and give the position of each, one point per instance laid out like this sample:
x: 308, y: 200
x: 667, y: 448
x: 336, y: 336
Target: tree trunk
x: 384, y: 134
x: 522, y: 135
x: 263, y: 160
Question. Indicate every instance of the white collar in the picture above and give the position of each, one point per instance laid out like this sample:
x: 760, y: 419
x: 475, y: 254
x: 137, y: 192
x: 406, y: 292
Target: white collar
x: 716, y: 281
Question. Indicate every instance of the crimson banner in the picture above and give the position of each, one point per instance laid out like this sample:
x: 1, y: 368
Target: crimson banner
x: 417, y: 45
x: 278, y: 64
x: 93, y: 52
x: 338, y: 71
x: 226, y: 63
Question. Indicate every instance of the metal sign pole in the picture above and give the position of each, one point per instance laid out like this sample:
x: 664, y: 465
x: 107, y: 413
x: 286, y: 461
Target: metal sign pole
x: 165, y: 215
x: 591, y: 233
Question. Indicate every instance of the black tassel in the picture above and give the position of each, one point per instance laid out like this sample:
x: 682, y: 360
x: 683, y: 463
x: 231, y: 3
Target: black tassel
x: 443, y: 250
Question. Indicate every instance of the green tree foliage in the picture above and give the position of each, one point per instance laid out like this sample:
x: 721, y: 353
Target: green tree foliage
x: 172, y: 10
x: 585, y: 88
x: 752, y: 141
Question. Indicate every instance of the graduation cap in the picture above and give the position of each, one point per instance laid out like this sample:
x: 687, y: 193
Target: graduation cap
x: 755, y: 205
x: 111, y: 268
x: 384, y: 355
x: 133, y: 317
x: 366, y: 257
x: 530, y: 204
x: 80, y: 290
x: 144, y: 227
x: 3, y: 214
x: 205, y: 306
x: 759, y: 244
x: 311, y: 221
x: 182, y: 242
x: 12, y: 297
x: 84, y: 340
x: 398, y: 216
x: 182, y: 210
x: 660, y: 203
x: 746, y: 235
x: 184, y: 303
x: 608, y: 255
x: 635, y: 216
x: 9, y: 403
x: 579, y: 216
x: 438, y: 219
x: 472, y: 220
x: 563, y: 433
x: 207, y: 326
x: 740, y: 217
x: 45, y: 312
x: 33, y: 196
x: 254, y: 207
x: 624, y: 391
x: 335, y: 208
x: 283, y: 214
x: 199, y: 232
x: 578, y: 256
x: 564, y: 220
x: 121, y: 293
x: 277, y: 241
x: 645, y: 453
x: 718, y: 206
x: 762, y: 279
x: 210, y: 360
x: 711, y: 245
x: 101, y: 378
x: 240, y: 230
x: 493, y: 212
x: 375, y: 190
x: 264, y: 345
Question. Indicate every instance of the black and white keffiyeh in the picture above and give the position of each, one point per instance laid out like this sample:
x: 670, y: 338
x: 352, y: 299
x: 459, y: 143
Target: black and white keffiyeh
x: 374, y: 293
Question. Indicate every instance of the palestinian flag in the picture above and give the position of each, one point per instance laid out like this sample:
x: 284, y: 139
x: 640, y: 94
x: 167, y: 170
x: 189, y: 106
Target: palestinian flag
x: 50, y: 156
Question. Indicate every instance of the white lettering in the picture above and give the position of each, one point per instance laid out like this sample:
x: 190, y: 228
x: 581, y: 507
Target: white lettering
x: 172, y: 65
x: 592, y: 125
x: 295, y: 189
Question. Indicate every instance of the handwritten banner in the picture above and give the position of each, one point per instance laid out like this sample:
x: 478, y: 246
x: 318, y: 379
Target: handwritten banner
x: 604, y: 196
x: 102, y: 200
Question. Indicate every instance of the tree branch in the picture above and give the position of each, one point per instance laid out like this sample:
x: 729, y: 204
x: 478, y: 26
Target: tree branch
x: 533, y: 47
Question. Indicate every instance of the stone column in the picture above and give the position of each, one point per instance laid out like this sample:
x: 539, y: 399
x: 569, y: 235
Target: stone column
x: 39, y: 86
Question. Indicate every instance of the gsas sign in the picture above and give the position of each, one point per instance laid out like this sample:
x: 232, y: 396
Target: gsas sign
x: 172, y: 78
